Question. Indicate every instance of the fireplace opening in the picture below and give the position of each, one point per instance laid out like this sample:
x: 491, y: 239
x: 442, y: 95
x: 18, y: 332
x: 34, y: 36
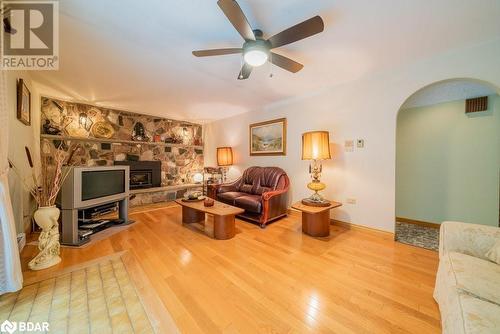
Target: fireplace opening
x: 141, y: 179
x: 143, y: 174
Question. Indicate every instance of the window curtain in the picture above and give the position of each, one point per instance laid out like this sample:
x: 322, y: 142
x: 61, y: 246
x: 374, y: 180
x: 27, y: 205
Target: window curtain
x: 11, y: 277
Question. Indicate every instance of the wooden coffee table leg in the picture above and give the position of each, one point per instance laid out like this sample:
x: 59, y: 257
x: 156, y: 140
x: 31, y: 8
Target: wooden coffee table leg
x: 224, y: 227
x: 316, y: 224
x: 190, y: 216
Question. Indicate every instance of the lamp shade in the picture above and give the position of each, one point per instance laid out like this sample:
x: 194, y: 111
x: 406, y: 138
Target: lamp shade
x: 315, y: 145
x: 224, y: 156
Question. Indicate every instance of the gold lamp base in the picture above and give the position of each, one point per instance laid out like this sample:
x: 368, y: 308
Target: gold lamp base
x: 316, y: 199
x: 316, y: 186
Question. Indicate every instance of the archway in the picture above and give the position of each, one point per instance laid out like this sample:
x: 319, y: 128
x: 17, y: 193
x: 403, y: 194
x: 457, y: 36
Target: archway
x: 447, y: 160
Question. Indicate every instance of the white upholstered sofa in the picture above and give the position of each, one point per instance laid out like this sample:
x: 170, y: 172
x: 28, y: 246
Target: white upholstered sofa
x: 468, y: 279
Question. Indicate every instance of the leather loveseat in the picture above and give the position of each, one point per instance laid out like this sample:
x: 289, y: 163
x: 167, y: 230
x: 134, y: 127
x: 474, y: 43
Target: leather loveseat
x: 261, y: 191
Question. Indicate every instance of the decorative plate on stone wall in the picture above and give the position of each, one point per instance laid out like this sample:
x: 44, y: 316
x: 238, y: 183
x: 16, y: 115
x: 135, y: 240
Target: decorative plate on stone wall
x: 103, y: 130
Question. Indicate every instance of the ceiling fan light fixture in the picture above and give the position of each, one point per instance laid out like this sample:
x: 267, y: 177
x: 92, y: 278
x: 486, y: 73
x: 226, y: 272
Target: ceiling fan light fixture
x: 256, y: 53
x: 255, y: 57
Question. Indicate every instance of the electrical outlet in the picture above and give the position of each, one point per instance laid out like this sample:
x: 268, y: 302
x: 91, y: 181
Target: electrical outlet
x: 360, y: 143
x: 351, y: 201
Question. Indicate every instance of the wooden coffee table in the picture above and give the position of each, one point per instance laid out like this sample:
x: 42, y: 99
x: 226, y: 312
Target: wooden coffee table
x: 224, y: 226
x: 316, y: 220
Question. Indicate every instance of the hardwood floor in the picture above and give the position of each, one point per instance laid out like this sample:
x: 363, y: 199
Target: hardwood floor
x: 276, y: 280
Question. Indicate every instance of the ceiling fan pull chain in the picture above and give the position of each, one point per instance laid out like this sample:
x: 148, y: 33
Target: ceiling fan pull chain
x: 241, y: 66
x: 271, y: 65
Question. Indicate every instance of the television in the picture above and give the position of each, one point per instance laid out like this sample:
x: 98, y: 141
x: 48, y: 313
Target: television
x: 90, y: 186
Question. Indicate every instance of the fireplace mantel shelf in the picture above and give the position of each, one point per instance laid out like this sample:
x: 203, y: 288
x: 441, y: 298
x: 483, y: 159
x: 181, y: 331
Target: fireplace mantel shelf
x: 165, y: 188
x: 118, y: 141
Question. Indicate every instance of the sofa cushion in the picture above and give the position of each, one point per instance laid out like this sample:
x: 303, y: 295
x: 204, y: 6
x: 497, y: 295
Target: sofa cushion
x: 250, y: 179
x: 269, y: 179
x: 247, y: 188
x: 479, y: 316
x: 230, y: 196
x: 461, y: 311
x: 476, y: 276
x: 251, y: 203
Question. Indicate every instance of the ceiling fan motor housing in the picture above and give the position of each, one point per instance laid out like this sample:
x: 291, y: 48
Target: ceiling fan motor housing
x: 258, y: 44
x: 258, y: 34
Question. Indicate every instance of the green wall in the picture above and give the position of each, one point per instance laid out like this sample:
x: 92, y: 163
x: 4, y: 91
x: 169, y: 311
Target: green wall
x: 448, y: 163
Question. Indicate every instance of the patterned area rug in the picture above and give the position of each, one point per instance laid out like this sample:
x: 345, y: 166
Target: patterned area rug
x: 99, y: 298
x: 417, y: 235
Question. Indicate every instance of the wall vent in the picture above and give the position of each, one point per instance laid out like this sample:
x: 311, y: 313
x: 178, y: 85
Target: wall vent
x: 476, y: 104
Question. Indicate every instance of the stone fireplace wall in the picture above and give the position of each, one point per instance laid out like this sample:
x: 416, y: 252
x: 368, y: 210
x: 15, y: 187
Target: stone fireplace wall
x: 178, y: 145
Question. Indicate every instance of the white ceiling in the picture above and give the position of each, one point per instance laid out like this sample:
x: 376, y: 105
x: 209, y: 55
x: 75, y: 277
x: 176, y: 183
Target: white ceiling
x: 449, y: 90
x: 136, y: 55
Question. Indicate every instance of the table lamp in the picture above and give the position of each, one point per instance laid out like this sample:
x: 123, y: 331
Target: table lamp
x: 315, y: 147
x: 224, y: 159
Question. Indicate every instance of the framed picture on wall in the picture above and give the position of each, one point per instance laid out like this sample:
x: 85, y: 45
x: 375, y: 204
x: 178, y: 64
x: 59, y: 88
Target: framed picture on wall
x: 23, y: 103
x: 268, y: 138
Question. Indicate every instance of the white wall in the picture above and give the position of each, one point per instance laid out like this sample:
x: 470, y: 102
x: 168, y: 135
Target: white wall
x: 21, y: 135
x: 366, y: 108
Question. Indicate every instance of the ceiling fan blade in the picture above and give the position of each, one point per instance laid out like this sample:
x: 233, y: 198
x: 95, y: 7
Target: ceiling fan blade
x: 217, y: 52
x: 237, y: 18
x: 285, y: 63
x: 299, y: 31
x: 245, y: 72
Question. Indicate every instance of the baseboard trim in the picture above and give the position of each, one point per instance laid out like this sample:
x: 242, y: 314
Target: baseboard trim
x: 352, y: 226
x: 346, y: 225
x: 417, y: 222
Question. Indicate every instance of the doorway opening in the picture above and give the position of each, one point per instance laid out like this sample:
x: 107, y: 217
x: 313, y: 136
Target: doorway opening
x: 447, y: 160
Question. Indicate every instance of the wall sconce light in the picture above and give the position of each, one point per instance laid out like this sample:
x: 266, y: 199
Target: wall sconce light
x: 84, y: 121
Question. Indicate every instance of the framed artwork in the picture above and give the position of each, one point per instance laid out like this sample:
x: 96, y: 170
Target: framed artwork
x: 268, y: 138
x: 23, y: 103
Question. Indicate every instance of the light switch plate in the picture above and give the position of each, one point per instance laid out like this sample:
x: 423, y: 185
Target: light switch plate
x: 349, y: 145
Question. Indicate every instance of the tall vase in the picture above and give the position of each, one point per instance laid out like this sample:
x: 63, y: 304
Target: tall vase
x: 46, y: 217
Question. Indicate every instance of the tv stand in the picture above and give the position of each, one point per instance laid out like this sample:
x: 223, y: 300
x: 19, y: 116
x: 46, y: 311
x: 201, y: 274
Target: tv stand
x: 70, y: 235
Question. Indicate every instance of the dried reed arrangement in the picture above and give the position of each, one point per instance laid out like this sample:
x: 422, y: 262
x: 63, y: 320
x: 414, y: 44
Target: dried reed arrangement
x: 48, y: 182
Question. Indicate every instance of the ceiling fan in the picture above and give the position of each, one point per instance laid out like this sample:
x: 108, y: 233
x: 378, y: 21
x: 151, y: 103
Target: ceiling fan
x: 256, y: 50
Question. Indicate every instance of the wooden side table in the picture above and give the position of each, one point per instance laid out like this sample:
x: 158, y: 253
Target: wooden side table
x: 316, y: 220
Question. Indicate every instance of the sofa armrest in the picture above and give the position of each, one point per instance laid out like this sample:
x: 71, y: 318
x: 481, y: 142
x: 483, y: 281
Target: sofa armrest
x: 471, y: 239
x: 274, y: 203
x: 269, y: 194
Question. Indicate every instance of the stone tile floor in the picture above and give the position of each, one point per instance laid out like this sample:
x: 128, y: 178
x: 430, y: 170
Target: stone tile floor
x: 417, y: 235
